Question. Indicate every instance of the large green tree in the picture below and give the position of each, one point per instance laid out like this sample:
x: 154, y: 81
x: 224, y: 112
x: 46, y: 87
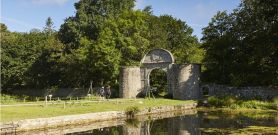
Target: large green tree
x: 29, y: 60
x: 242, y: 46
x: 102, y: 36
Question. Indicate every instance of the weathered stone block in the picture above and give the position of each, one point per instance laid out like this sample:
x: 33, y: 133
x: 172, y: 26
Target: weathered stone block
x: 130, y: 82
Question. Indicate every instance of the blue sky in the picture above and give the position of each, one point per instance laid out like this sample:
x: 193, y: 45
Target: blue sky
x: 23, y: 15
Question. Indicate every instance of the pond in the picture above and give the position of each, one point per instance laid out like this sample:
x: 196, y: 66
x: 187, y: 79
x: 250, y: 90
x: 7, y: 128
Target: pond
x: 187, y: 122
x: 199, y: 122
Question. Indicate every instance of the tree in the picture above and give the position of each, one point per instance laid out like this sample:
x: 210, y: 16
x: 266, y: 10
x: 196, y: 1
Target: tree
x: 89, y: 19
x: 241, y: 47
x: 29, y: 60
x: 49, y: 28
x: 3, y: 27
x: 219, y: 48
x: 176, y: 36
x: 99, y: 34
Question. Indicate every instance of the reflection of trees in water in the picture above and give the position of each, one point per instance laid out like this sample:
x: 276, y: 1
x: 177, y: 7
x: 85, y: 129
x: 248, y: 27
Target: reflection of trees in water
x: 135, y: 127
x: 200, y: 123
x: 184, y: 125
x: 174, y: 126
x: 218, y: 119
x: 103, y: 131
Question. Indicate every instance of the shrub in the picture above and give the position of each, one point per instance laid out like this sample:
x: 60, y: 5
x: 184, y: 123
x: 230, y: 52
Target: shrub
x: 234, y: 103
x: 213, y: 101
x: 275, y: 101
x: 131, y: 111
x: 221, y: 101
x: 254, y: 104
x: 8, y: 98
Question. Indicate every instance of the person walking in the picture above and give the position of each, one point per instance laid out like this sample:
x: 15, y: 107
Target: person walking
x: 107, y: 92
x: 102, y: 92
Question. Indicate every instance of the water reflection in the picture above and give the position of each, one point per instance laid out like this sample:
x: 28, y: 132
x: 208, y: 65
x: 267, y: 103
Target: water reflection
x: 186, y: 123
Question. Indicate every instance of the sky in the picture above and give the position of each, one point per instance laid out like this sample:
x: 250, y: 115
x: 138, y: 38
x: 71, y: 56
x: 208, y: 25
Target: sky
x: 24, y: 15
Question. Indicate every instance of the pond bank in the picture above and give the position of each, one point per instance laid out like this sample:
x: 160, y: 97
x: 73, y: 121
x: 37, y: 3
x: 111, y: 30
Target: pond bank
x: 58, y: 121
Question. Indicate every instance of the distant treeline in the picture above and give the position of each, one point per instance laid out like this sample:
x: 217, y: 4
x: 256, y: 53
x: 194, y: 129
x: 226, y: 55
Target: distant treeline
x: 237, y: 49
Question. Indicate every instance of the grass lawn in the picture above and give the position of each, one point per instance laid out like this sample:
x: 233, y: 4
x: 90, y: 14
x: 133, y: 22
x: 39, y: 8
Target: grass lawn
x: 40, y: 111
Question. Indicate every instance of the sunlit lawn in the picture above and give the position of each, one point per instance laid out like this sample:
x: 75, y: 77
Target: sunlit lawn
x: 80, y: 107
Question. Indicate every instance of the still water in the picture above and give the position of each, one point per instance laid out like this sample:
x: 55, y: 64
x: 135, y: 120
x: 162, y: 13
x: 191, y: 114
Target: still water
x: 190, y: 123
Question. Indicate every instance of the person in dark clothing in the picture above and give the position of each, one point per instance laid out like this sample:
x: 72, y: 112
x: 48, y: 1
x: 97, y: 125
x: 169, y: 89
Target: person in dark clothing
x: 102, y: 92
x: 107, y: 92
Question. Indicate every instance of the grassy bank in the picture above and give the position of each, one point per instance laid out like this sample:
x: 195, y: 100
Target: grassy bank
x: 235, y: 103
x: 80, y: 107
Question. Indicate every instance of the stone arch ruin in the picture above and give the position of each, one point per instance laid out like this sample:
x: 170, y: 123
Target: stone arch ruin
x: 182, y: 79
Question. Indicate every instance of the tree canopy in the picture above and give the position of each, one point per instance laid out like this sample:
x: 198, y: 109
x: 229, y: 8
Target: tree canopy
x: 241, y: 47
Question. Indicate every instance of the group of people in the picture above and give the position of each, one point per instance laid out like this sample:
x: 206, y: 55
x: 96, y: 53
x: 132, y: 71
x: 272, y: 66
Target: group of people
x: 105, y: 92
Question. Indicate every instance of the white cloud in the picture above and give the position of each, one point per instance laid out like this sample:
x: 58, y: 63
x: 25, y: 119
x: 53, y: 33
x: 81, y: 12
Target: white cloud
x: 43, y: 2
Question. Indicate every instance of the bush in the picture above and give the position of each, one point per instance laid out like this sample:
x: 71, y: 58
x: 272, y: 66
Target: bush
x: 213, y: 101
x: 131, y: 111
x: 8, y: 98
x: 221, y: 101
x: 254, y: 104
x: 5, y: 99
x: 275, y: 100
x: 234, y: 103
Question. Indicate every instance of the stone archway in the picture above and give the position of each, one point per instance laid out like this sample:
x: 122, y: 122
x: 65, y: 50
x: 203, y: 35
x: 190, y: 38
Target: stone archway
x: 156, y: 59
x: 182, y: 80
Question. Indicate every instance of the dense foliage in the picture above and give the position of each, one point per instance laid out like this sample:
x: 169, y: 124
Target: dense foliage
x: 242, y: 47
x: 29, y: 59
x: 91, y: 46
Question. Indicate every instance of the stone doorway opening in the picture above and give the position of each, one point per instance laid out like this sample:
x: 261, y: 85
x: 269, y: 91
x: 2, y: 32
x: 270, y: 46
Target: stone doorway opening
x: 159, y: 83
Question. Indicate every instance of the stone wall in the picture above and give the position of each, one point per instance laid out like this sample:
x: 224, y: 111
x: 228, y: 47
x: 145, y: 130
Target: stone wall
x: 242, y: 92
x: 130, y: 82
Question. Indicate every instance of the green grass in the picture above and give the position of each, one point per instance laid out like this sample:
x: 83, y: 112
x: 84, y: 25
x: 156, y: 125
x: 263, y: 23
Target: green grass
x: 235, y: 103
x: 40, y: 111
